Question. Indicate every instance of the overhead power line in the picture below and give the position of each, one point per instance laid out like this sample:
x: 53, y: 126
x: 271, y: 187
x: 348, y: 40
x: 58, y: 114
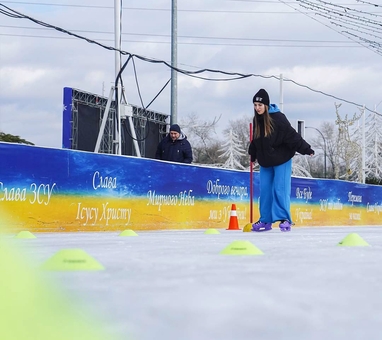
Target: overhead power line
x: 206, y: 41
x: 185, y: 43
x: 195, y: 74
x: 369, y: 3
x: 51, y: 4
x: 143, y: 8
x: 357, y: 25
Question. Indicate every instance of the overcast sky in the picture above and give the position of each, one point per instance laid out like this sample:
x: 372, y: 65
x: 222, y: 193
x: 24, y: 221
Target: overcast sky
x: 263, y: 38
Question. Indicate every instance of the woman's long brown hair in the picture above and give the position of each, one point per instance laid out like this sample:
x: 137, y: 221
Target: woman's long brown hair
x: 268, y: 124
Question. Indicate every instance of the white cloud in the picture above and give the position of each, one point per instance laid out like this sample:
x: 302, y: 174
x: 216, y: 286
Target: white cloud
x: 34, y: 70
x: 19, y: 79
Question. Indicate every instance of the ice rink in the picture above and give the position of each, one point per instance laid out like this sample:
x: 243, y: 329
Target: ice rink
x: 175, y: 285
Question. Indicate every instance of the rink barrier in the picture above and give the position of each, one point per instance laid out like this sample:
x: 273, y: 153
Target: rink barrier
x: 53, y: 190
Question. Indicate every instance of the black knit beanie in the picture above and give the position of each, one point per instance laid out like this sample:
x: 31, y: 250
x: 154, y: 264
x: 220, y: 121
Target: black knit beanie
x: 175, y: 127
x: 261, y: 97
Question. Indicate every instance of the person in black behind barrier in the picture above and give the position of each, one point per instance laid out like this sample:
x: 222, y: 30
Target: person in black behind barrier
x: 174, y: 147
x: 274, y: 144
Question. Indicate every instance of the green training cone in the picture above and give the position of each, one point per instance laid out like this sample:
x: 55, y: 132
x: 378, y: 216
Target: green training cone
x: 25, y: 234
x: 241, y: 248
x: 128, y: 232
x: 211, y: 231
x: 70, y: 260
x: 353, y: 240
x: 40, y: 306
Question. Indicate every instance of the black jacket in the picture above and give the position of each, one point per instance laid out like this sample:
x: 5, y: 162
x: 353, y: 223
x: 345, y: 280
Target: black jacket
x: 281, y: 145
x: 174, y: 151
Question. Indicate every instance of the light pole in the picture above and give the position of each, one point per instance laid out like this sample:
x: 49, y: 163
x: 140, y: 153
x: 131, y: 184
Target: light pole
x: 310, y: 127
x: 174, y: 62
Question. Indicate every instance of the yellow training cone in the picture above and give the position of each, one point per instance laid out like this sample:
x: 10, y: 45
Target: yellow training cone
x: 25, y: 234
x: 70, y: 260
x: 353, y: 240
x: 241, y: 248
x: 247, y: 228
x: 34, y: 308
x: 211, y: 231
x: 128, y: 232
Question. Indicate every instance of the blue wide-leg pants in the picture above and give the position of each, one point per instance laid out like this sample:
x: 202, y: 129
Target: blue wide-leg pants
x: 275, y: 191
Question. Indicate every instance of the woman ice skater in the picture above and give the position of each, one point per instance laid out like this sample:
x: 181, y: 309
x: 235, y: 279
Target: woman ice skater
x: 273, y: 145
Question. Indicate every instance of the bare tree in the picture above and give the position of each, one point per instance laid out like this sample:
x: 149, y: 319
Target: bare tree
x: 331, y: 134
x: 328, y: 140
x: 373, y: 148
x: 301, y: 167
x: 202, y: 136
x: 347, y: 149
x: 209, y: 155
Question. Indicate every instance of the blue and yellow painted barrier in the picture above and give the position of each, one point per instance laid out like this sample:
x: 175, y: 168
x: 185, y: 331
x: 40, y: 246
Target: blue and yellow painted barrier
x: 46, y: 189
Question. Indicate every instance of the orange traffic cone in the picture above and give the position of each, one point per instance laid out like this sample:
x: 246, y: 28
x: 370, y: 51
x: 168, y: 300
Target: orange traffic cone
x: 233, y: 222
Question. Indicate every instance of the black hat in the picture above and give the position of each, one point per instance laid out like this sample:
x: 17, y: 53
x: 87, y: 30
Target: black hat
x: 261, y: 97
x: 175, y: 127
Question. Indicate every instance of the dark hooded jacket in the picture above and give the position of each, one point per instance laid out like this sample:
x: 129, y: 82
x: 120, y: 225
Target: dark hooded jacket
x: 174, y: 151
x: 281, y: 145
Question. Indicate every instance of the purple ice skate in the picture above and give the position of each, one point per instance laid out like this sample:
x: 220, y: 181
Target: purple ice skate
x: 261, y: 226
x: 285, y: 225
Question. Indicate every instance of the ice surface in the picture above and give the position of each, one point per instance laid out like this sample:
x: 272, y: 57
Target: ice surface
x: 176, y: 285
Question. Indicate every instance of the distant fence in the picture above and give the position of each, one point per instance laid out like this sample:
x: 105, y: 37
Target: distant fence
x: 46, y: 189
